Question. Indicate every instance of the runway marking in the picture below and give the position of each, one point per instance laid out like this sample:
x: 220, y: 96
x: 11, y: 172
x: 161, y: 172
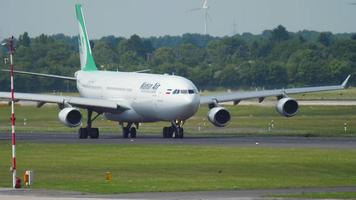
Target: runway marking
x: 23, y: 194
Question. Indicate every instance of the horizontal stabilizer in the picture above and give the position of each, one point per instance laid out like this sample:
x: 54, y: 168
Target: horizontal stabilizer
x: 43, y: 75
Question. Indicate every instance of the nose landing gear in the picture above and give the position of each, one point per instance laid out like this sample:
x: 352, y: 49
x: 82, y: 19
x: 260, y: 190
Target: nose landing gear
x: 174, y: 131
x: 129, y: 131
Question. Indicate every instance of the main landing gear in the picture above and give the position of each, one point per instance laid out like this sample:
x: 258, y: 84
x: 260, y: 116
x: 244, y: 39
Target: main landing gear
x: 89, y: 131
x: 129, y: 131
x: 174, y: 131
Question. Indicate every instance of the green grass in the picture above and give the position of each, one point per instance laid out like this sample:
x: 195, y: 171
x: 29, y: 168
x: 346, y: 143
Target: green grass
x: 148, y: 168
x: 246, y: 120
x: 325, y: 195
x: 154, y: 168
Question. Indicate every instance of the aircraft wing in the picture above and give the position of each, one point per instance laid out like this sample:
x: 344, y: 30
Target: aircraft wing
x: 81, y: 102
x: 238, y: 96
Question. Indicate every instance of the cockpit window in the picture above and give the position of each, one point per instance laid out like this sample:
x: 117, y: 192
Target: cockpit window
x: 184, y: 91
x: 177, y: 91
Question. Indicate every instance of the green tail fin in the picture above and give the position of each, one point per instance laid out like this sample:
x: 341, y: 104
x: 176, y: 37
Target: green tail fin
x: 87, y: 62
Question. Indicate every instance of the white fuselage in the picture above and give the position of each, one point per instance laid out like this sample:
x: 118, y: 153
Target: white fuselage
x: 151, y: 97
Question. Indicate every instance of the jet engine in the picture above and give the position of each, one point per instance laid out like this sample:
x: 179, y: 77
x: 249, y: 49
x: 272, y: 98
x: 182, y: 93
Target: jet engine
x: 70, y: 117
x: 287, y: 107
x: 219, y: 116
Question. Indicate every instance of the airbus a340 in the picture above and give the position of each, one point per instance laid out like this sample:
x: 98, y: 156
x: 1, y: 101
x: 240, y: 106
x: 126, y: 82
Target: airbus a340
x: 133, y: 97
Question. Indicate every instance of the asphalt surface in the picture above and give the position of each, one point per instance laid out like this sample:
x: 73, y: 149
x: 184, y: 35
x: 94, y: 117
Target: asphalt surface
x: 243, y: 141
x: 228, y: 194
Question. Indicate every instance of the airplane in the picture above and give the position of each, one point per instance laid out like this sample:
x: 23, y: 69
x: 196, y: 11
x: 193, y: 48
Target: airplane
x: 131, y: 98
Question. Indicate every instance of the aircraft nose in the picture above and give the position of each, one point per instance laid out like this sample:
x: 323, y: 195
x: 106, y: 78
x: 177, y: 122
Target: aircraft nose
x: 189, y: 105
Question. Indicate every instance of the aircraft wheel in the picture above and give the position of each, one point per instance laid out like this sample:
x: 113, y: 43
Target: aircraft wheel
x: 133, y: 132
x: 126, y: 132
x: 180, y: 133
x: 165, y: 132
x: 94, y: 133
x: 83, y: 133
x: 170, y: 132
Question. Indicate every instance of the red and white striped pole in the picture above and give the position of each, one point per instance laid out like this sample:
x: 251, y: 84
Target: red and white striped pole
x: 13, y: 119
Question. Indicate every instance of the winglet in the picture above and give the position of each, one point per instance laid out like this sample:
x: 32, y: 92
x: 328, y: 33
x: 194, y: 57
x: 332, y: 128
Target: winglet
x: 345, y: 81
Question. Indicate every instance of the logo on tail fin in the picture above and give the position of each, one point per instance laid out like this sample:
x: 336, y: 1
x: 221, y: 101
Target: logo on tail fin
x: 82, y: 48
x: 86, y: 58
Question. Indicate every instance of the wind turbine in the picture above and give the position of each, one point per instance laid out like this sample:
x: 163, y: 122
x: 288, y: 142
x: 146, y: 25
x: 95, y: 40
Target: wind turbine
x: 234, y: 27
x: 207, y: 17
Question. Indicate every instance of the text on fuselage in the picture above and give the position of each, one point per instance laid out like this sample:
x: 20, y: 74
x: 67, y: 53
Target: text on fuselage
x: 150, y: 86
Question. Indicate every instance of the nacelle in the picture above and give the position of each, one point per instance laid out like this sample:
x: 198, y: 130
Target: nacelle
x: 219, y: 116
x: 287, y: 107
x: 70, y: 117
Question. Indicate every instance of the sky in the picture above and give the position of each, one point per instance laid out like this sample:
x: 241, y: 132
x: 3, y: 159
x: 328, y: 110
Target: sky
x: 170, y: 17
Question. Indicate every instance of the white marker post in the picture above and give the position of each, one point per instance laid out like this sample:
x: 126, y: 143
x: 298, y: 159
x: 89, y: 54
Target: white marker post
x: 13, y: 119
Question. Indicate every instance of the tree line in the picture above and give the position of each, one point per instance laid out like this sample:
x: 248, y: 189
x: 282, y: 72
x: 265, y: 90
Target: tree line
x: 273, y: 59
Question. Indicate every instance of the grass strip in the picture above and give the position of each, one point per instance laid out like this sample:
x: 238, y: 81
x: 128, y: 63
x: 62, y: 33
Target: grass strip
x: 246, y: 120
x: 156, y: 168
